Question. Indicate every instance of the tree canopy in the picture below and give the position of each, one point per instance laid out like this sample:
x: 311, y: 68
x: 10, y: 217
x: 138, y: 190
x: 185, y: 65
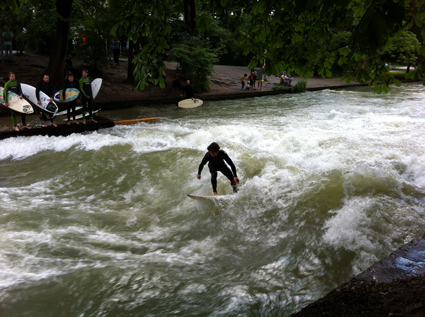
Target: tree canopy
x: 353, y: 39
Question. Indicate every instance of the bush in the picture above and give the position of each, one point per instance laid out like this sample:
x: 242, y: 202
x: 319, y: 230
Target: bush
x: 195, y: 63
x: 300, y: 86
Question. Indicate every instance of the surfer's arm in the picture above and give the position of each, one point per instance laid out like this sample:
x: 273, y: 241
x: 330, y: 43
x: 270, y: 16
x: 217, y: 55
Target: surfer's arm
x: 201, y: 166
x: 230, y: 163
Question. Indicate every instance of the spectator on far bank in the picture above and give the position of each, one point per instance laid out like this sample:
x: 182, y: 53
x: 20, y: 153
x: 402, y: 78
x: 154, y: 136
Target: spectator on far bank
x: 7, y: 38
x: 176, y: 81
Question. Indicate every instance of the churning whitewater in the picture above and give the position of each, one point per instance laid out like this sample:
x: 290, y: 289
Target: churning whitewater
x: 99, y: 224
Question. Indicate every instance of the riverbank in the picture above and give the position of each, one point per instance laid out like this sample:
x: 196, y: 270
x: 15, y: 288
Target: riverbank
x: 116, y: 93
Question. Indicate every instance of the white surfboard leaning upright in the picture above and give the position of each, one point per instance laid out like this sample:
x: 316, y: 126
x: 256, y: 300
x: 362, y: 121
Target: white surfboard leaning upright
x: 95, y: 86
x: 30, y: 93
x: 72, y: 94
x: 16, y: 103
x: 190, y: 103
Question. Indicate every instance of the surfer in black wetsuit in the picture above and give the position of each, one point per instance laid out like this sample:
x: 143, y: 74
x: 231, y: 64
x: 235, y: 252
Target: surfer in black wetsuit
x: 70, y: 83
x: 216, y: 159
x: 45, y: 86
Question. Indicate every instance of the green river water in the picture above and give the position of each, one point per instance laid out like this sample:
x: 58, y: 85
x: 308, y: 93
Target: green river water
x: 99, y: 224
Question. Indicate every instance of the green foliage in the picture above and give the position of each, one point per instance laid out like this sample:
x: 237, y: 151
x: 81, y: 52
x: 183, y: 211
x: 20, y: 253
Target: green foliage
x: 195, y: 63
x: 38, y: 20
x: 283, y: 89
x: 300, y: 86
x: 92, y: 33
x: 402, y: 50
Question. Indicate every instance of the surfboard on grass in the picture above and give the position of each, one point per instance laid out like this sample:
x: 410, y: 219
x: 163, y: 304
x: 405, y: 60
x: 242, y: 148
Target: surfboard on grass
x: 30, y: 93
x: 95, y: 86
x: 71, y: 93
x: 16, y: 103
x: 190, y: 103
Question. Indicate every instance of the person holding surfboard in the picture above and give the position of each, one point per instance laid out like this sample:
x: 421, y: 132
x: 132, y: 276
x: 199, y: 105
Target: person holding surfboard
x: 85, y: 87
x: 45, y: 86
x: 70, y: 83
x: 14, y: 86
x: 217, y: 160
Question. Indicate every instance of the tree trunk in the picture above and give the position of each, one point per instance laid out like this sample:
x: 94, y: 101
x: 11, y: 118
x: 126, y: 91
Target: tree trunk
x: 190, y: 15
x: 59, y: 50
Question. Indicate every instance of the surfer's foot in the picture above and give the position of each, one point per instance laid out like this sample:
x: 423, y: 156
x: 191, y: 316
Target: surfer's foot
x: 54, y: 124
x: 16, y: 128
x: 84, y: 121
x: 68, y: 123
x: 46, y: 125
x: 216, y: 194
x: 75, y: 122
x: 25, y: 127
x: 92, y: 120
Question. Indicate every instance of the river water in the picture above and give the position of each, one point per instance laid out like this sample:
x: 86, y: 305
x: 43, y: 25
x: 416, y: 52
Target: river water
x: 100, y: 224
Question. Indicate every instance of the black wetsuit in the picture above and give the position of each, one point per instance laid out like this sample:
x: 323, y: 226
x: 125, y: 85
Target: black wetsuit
x: 189, y: 91
x: 47, y: 88
x: 217, y: 164
x: 17, y: 90
x: 72, y: 104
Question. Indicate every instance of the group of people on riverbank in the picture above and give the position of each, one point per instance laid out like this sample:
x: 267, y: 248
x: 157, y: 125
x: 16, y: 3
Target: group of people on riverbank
x: 248, y: 82
x: 85, y: 97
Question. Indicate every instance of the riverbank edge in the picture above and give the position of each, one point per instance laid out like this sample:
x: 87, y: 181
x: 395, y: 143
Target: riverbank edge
x: 394, y: 286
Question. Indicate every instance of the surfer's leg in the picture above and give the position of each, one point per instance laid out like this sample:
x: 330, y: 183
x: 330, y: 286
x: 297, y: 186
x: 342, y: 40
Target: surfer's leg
x: 228, y: 173
x: 213, y: 179
x: 68, y: 112
x: 24, y: 121
x: 13, y: 116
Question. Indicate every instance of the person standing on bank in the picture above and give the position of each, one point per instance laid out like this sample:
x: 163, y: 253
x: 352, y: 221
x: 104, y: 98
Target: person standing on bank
x: 45, y: 86
x: 7, y: 38
x: 188, y: 89
x: 70, y: 83
x: 87, y: 95
x: 14, y: 86
x: 216, y: 159
x: 116, y: 48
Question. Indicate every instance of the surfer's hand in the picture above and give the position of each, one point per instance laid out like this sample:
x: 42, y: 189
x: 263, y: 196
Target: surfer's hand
x: 236, y: 180
x: 7, y: 104
x: 38, y: 102
x: 198, y: 176
x: 20, y: 97
x: 88, y: 97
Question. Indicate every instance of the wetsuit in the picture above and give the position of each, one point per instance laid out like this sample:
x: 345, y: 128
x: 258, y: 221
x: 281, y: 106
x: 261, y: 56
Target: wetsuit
x: 14, y: 86
x: 85, y: 87
x: 217, y: 164
x: 47, y: 88
x: 189, y: 91
x: 72, y: 104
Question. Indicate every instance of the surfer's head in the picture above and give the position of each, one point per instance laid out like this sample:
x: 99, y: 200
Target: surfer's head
x: 46, y: 78
x: 85, y: 72
x: 12, y: 76
x: 70, y: 76
x: 213, y: 148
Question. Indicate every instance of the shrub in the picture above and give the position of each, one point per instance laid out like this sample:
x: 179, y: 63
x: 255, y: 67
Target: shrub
x: 195, y: 63
x: 300, y: 86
